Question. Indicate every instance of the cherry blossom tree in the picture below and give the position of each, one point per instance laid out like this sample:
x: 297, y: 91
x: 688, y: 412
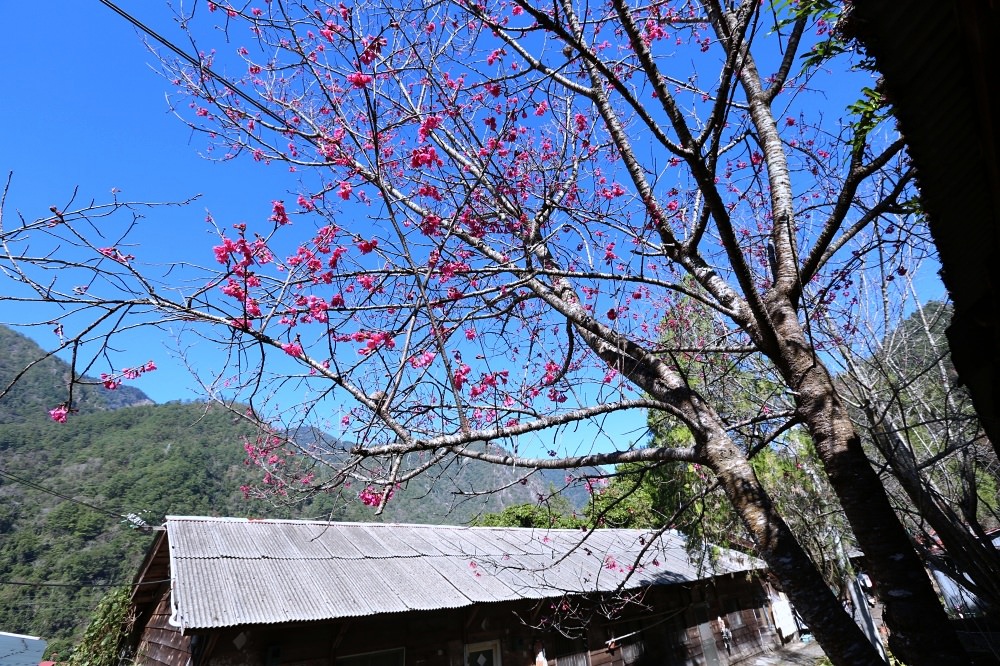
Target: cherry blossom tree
x: 502, y: 206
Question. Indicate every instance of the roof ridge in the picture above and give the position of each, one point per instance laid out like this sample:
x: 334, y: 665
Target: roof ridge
x: 433, y: 526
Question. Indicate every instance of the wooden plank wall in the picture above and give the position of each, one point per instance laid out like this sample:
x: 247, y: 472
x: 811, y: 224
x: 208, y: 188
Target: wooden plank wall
x: 663, y: 628
x: 161, y: 644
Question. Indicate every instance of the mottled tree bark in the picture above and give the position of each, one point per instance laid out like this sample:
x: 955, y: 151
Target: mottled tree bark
x: 836, y: 631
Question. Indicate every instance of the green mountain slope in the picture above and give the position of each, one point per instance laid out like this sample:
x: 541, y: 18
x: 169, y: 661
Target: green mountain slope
x: 44, y: 386
x: 64, y: 489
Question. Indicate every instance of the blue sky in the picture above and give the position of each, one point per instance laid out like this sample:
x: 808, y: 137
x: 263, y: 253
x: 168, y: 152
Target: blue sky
x: 83, y: 107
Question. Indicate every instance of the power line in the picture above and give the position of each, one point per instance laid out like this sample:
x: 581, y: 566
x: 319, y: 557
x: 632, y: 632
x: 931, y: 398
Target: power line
x: 51, y: 603
x: 194, y: 62
x: 25, y: 583
x: 40, y: 488
x: 42, y: 583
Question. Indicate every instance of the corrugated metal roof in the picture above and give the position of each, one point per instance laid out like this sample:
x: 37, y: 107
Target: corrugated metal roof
x: 228, y: 571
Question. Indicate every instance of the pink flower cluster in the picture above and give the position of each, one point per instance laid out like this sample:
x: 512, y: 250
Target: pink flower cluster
x: 115, y: 253
x: 59, y: 414
x: 551, y: 372
x: 240, y: 253
x: 278, y: 213
x: 431, y: 225
x: 429, y: 124
x: 110, y: 381
x: 609, y: 254
x: 489, y: 381
x: 367, y: 246
x: 425, y: 156
x: 372, y: 496
x: 293, y: 349
x: 422, y: 360
x: 462, y: 376
x: 263, y: 451
x: 372, y: 339
x: 359, y: 79
x: 318, y: 309
x: 113, y: 381
x: 373, y: 47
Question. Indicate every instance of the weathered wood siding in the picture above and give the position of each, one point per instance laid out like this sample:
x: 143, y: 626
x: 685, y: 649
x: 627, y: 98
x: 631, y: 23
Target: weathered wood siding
x: 665, y: 626
x: 161, y: 644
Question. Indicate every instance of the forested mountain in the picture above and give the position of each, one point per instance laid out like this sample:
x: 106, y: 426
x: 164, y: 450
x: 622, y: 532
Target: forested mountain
x: 65, y: 487
x: 44, y: 385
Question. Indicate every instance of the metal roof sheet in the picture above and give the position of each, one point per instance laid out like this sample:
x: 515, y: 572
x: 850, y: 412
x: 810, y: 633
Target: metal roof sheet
x: 228, y: 571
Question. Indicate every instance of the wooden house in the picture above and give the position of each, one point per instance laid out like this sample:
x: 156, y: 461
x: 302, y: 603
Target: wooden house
x: 268, y: 592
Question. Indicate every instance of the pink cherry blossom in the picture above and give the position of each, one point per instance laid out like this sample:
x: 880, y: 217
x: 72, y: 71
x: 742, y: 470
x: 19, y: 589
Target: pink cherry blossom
x: 359, y: 79
x: 59, y: 414
x: 293, y: 349
x: 278, y: 213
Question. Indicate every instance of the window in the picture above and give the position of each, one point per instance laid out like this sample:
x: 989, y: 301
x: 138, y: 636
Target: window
x: 632, y: 649
x: 578, y: 659
x: 569, y: 651
x: 734, y: 613
x: 628, y: 641
x: 380, y: 658
x: 482, y: 654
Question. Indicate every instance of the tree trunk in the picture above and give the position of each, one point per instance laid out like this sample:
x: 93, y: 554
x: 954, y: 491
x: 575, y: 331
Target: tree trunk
x: 841, y: 638
x: 920, y: 630
x: 844, y: 642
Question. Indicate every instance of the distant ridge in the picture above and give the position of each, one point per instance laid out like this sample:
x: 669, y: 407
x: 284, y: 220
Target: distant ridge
x: 45, y: 385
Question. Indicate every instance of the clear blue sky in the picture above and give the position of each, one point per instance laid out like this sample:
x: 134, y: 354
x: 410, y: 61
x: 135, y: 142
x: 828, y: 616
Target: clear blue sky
x: 84, y: 107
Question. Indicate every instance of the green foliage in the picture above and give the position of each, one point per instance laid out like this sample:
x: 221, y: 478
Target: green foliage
x: 679, y: 496
x: 104, y: 641
x: 869, y: 111
x: 825, y: 14
x: 988, y: 494
x: 62, y: 537
x: 556, y: 512
x: 626, y: 501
